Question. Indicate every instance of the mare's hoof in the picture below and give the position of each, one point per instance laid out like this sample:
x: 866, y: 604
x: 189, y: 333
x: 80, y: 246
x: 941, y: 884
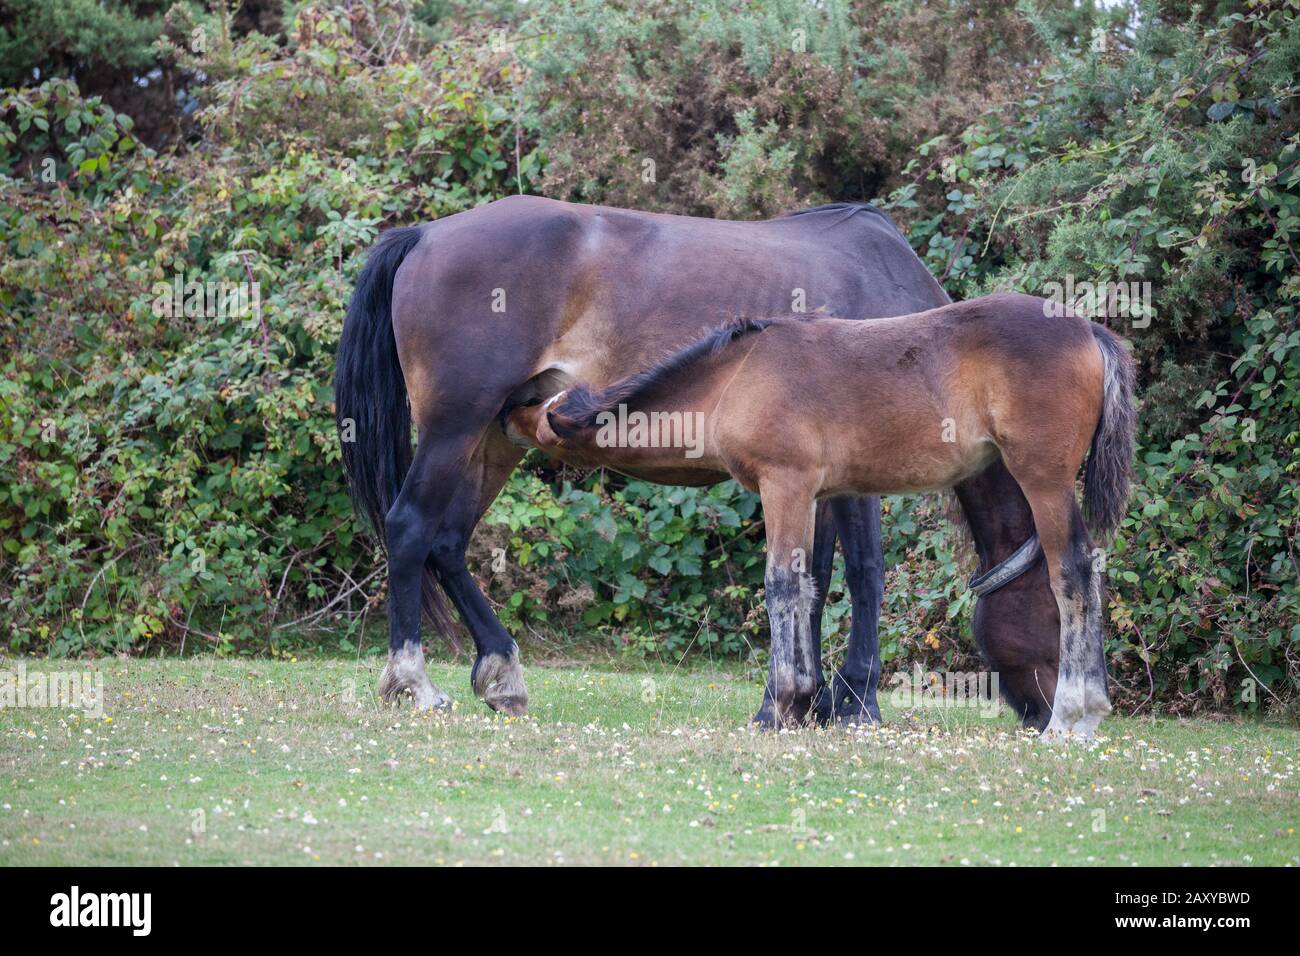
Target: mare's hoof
x: 765, y: 719
x: 852, y: 704
x: 405, y: 673
x: 499, y: 680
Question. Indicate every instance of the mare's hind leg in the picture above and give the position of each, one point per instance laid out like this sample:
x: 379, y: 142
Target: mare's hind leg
x: 823, y: 559
x: 854, y: 684
x: 429, y: 524
x: 789, y: 514
x: 429, y: 486
x: 497, y: 675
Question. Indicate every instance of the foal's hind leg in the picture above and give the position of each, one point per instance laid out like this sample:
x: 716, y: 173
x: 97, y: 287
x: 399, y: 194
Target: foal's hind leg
x: 823, y: 559
x: 789, y: 514
x: 1081, y: 699
x: 1096, y: 692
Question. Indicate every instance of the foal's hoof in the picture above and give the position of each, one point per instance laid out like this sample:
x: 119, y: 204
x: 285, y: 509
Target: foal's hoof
x: 1064, y: 715
x: 433, y: 699
x: 1061, y: 730
x: 1076, y: 711
x: 799, y: 712
x: 499, y: 680
x: 1081, y: 728
x: 769, y: 722
x: 1057, y: 735
x: 792, y: 718
x: 765, y: 719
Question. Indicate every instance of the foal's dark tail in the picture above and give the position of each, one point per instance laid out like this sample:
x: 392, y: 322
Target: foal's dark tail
x: 371, y: 410
x: 1110, y: 464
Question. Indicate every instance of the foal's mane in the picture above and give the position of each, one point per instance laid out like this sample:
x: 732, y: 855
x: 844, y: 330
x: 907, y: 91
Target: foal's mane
x: 581, y: 405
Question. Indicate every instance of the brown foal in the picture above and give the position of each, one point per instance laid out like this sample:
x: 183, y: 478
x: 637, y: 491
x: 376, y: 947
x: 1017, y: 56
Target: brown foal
x: 802, y: 409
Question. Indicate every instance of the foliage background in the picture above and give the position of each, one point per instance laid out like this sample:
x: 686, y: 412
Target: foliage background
x: 171, y: 485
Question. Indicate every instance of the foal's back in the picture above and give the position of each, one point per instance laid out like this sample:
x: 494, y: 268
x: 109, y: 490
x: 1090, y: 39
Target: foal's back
x: 912, y: 403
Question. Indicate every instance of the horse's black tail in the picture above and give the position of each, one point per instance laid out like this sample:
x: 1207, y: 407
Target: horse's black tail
x: 1110, y: 463
x: 371, y: 410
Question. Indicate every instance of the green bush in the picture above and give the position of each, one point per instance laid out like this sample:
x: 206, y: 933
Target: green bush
x: 175, y: 478
x: 713, y: 108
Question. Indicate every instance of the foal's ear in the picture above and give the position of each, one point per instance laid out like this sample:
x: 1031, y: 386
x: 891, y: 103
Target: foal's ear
x: 560, y: 423
x: 561, y: 426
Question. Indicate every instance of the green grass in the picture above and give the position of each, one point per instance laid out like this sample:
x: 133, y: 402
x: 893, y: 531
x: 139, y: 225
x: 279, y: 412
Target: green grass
x: 211, y: 761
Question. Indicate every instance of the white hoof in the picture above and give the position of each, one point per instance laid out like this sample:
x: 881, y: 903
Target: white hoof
x: 1056, y: 730
x: 405, y: 672
x: 1087, y: 726
x: 429, y: 697
x: 1059, y: 729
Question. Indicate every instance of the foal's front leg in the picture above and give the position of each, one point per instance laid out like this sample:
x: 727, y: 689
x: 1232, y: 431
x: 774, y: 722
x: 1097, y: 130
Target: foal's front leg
x: 823, y: 559
x: 789, y: 516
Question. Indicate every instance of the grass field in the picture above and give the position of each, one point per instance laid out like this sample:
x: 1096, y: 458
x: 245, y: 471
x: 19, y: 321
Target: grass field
x: 211, y: 761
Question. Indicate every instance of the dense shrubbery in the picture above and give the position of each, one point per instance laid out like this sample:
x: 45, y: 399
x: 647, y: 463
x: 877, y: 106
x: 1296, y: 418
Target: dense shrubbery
x: 176, y: 479
x: 702, y: 108
x: 179, y: 476
x: 665, y: 570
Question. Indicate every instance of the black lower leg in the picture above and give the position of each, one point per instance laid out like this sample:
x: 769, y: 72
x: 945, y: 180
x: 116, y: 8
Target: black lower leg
x: 407, y: 533
x: 496, y: 675
x: 823, y: 564
x: 854, y: 687
x: 490, y: 636
x: 408, y: 529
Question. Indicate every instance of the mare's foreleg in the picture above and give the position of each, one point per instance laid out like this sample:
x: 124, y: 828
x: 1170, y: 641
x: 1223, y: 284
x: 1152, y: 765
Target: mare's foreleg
x: 854, y: 684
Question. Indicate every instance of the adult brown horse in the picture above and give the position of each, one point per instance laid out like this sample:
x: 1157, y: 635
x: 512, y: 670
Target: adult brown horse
x: 803, y: 410
x: 453, y: 321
